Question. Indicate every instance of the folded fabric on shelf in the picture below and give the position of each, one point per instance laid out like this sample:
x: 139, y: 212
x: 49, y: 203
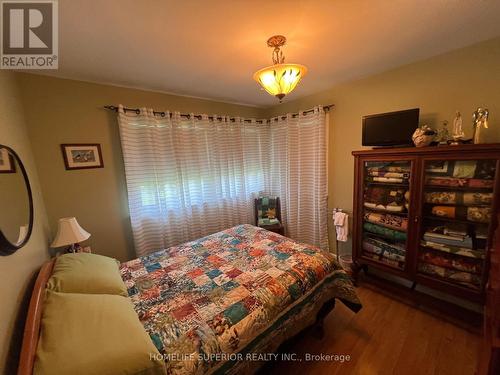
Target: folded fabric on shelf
x: 458, y: 198
x: 378, y: 173
x: 444, y: 239
x: 385, y: 232
x: 454, y: 229
x: 458, y: 182
x: 384, y: 199
x: 384, y: 195
x: 380, y: 207
x: 371, y: 255
x: 371, y: 247
x: 384, y: 252
x: 391, y: 262
x: 387, y: 220
x: 402, y: 168
x: 485, y: 169
x: 479, y: 214
x: 392, y: 180
x: 480, y: 183
x: 464, y: 168
x: 407, y: 200
x: 445, y: 181
x: 393, y: 256
x: 379, y: 246
x: 477, y: 254
x: 460, y: 277
x: 476, y: 214
x: 455, y: 262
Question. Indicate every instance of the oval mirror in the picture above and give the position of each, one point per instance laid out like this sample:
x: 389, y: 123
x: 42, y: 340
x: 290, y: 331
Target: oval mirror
x: 16, y: 203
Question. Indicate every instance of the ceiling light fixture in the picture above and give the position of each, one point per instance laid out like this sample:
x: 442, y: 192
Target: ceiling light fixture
x: 280, y: 78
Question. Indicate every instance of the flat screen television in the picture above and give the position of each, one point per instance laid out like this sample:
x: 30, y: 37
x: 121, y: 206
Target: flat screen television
x: 390, y: 129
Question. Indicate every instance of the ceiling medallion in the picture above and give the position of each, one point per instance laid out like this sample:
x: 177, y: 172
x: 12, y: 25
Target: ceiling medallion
x: 280, y: 78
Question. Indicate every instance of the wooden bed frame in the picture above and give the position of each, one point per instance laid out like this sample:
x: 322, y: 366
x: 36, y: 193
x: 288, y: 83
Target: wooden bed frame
x: 33, y: 321
x: 32, y: 327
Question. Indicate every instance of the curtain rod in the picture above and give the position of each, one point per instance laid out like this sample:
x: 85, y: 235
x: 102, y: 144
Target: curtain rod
x: 163, y: 114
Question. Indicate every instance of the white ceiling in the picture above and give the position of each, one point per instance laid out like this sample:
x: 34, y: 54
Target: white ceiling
x: 211, y: 48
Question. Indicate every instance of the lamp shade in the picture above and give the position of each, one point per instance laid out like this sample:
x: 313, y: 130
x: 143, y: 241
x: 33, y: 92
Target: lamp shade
x: 280, y: 79
x: 69, y: 232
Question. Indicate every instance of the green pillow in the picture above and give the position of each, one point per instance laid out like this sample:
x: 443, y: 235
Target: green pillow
x: 86, y: 273
x: 93, y: 334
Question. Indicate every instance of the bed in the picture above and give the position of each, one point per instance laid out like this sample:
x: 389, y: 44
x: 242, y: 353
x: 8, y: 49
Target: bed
x: 212, y: 304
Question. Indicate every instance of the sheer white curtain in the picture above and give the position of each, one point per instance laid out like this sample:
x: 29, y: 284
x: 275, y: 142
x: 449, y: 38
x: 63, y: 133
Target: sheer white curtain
x: 187, y: 178
x: 298, y: 174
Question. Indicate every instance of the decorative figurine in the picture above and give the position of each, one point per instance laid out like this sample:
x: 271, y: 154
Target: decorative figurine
x: 458, y: 133
x: 443, y: 135
x: 423, y: 136
x: 480, y: 120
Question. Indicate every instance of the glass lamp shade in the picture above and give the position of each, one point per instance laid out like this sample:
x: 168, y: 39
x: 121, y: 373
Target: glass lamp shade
x: 69, y: 232
x: 280, y: 79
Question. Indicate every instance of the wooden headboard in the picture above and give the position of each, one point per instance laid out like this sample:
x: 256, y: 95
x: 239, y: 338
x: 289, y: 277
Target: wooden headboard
x: 32, y: 326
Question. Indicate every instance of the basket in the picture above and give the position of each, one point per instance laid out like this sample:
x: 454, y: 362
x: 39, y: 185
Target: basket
x: 346, y: 262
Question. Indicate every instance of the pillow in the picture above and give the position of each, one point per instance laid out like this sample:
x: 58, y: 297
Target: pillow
x: 86, y: 273
x: 93, y: 334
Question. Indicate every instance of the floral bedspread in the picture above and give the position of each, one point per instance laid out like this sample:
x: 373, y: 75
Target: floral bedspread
x: 204, y: 301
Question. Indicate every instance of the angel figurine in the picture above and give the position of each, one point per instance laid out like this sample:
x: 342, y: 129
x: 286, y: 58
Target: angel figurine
x: 458, y: 133
x: 480, y: 120
x: 443, y: 135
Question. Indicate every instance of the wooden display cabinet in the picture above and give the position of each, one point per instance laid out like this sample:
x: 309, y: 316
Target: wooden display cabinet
x: 428, y: 215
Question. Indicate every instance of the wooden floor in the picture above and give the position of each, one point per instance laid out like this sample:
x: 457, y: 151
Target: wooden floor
x: 385, y: 337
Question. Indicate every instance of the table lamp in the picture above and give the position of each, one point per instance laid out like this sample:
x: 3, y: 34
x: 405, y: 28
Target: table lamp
x: 70, y: 233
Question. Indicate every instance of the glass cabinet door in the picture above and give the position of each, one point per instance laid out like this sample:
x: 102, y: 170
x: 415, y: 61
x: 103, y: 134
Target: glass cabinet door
x: 456, y: 212
x: 386, y: 204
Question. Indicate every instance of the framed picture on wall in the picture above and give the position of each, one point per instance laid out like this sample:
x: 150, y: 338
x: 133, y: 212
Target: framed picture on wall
x: 82, y: 156
x: 7, y: 164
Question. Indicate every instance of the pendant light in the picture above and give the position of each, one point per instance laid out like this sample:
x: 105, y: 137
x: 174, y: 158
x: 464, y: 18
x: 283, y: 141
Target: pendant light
x: 279, y: 79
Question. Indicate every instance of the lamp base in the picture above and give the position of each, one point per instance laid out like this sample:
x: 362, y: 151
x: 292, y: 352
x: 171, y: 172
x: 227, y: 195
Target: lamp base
x: 75, y: 248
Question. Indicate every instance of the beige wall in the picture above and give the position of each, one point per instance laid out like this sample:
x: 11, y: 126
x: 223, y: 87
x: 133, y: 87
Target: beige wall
x: 460, y: 80
x: 65, y: 111
x: 17, y: 270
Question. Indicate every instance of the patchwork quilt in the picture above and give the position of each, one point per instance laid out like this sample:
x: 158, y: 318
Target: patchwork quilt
x: 387, y: 220
x: 392, y: 234
x: 453, y: 262
x: 454, y: 182
x: 459, y: 198
x: 464, y: 278
x: 476, y: 214
x: 393, y: 254
x: 232, y: 292
x: 478, y: 254
x: 386, y: 199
